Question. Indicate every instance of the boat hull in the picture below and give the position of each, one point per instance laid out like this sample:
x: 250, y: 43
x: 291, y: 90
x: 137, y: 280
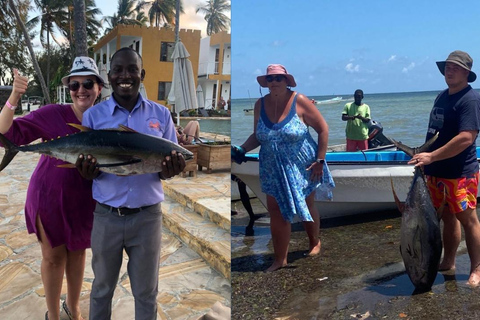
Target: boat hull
x: 359, y: 188
x: 363, y: 181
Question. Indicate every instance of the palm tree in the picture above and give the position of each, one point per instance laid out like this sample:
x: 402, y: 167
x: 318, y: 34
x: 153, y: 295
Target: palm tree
x: 80, y: 28
x: 13, y: 7
x: 53, y: 14
x: 126, y: 14
x: 141, y: 17
x: 163, y: 10
x: 216, y: 20
x: 93, y: 26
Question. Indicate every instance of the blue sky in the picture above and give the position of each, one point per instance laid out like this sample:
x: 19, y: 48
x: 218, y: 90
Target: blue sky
x: 335, y: 47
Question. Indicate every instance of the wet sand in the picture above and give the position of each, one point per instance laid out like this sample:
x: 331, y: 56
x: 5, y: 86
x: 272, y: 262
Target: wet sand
x: 359, y: 274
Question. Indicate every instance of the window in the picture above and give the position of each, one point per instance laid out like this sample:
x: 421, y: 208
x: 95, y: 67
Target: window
x: 163, y: 90
x: 166, y: 51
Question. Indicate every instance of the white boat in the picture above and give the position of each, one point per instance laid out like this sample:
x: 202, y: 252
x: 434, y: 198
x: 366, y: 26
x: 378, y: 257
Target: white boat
x: 330, y: 101
x: 248, y: 112
x: 362, y: 179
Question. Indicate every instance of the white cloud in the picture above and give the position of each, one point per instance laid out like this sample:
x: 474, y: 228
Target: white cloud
x: 352, y: 68
x: 408, y: 68
x: 257, y: 72
x: 392, y: 58
x: 277, y: 43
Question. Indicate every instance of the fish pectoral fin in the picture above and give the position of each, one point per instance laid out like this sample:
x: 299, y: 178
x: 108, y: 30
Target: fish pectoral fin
x: 400, y: 206
x: 79, y: 127
x: 121, y: 127
x: 66, y: 165
x: 117, y: 164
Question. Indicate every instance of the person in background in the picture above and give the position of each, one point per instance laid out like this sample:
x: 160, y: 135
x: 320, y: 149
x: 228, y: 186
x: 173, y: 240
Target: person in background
x: 451, y: 168
x: 59, y: 205
x: 128, y: 213
x: 221, y: 104
x: 357, y: 115
x: 291, y: 162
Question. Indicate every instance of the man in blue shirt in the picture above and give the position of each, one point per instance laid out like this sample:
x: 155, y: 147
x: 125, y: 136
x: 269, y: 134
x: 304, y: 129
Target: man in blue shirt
x: 128, y: 212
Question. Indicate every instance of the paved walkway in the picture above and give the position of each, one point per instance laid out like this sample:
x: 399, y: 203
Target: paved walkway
x: 188, y: 285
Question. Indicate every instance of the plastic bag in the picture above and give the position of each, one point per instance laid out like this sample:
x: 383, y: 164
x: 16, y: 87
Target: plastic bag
x: 324, y: 192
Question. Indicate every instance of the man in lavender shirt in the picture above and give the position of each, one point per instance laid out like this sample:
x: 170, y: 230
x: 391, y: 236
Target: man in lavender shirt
x: 128, y: 212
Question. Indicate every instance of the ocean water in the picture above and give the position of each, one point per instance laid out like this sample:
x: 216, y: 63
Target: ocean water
x: 218, y: 126
x: 403, y: 116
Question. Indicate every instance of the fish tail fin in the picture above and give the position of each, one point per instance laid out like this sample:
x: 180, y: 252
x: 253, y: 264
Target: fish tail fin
x: 11, y: 151
x: 411, y: 151
x: 400, y: 206
x: 427, y: 144
x: 403, y: 147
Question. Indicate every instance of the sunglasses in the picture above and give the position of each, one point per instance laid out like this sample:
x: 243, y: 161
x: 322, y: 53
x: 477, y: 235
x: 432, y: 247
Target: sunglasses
x: 277, y: 78
x: 75, y: 85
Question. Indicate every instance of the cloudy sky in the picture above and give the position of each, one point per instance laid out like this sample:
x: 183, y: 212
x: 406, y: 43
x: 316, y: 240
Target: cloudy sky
x: 189, y: 20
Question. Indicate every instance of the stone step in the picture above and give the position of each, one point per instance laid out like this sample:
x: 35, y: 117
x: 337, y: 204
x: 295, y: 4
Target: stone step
x: 200, y: 234
x: 207, y: 194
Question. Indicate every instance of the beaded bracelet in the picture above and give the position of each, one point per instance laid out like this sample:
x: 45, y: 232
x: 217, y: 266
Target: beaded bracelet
x: 9, y: 105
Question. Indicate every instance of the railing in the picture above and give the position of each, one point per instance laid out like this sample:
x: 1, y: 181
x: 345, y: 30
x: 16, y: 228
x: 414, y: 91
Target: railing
x: 207, y: 68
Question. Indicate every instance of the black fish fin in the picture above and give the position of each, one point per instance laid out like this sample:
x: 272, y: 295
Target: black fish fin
x: 121, y: 127
x: 10, y: 151
x: 427, y: 144
x: 67, y: 165
x: 411, y: 151
x: 404, y: 148
x: 79, y: 127
x: 441, y: 209
x: 400, y: 206
x: 131, y: 161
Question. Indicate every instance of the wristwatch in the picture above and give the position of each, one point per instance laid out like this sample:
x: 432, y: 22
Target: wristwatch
x: 322, y: 161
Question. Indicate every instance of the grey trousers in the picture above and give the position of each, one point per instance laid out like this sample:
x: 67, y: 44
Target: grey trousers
x: 140, y: 235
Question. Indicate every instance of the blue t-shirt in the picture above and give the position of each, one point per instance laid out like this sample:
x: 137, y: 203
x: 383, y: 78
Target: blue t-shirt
x: 450, y: 115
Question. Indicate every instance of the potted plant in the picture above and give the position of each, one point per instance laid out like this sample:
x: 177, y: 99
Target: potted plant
x: 214, y: 155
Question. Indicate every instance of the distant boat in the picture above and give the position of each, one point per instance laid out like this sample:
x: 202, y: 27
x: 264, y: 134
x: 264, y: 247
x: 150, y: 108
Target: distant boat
x: 330, y: 101
x: 248, y: 112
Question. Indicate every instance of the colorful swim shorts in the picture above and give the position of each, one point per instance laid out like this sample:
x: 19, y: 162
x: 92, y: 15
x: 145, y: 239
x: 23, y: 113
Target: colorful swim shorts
x: 460, y: 193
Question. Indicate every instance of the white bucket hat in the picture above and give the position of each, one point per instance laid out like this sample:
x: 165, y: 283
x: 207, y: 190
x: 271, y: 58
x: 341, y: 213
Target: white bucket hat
x: 83, y: 66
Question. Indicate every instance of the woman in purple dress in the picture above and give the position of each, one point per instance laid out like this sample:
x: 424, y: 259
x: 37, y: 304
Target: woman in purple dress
x: 59, y: 205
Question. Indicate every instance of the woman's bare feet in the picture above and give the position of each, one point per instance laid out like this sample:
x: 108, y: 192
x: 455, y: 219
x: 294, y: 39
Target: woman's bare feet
x: 275, y: 266
x: 446, y: 266
x: 314, y: 250
x: 474, y: 279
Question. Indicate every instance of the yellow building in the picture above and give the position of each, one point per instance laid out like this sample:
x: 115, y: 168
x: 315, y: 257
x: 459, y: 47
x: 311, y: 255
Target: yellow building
x: 155, y: 45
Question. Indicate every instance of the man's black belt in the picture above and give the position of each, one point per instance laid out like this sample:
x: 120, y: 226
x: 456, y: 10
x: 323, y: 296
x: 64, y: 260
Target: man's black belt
x: 124, y: 211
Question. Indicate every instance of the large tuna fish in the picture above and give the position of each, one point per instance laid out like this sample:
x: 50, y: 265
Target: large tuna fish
x: 121, y: 152
x: 420, y: 238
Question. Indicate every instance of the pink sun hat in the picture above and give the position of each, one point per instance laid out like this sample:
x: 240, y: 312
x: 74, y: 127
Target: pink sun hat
x: 274, y: 69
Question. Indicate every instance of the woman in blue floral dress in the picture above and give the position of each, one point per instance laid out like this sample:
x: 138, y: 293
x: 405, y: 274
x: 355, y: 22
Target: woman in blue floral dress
x: 291, y: 162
